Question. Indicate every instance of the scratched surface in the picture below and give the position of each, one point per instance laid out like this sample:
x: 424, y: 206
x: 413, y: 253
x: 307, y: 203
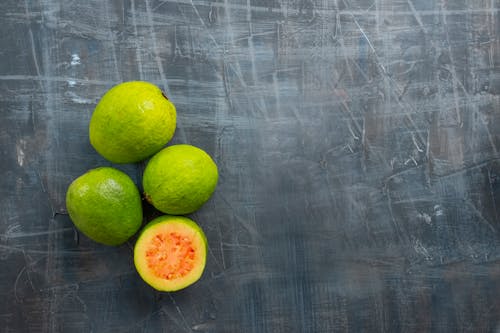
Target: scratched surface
x: 357, y: 142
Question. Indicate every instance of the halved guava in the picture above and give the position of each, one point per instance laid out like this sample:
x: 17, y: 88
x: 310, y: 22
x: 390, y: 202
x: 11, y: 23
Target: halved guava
x: 170, y: 253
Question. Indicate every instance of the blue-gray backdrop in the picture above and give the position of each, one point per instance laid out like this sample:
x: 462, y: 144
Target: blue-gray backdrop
x: 357, y: 143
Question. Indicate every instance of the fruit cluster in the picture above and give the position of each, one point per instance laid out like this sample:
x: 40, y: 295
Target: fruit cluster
x: 134, y: 121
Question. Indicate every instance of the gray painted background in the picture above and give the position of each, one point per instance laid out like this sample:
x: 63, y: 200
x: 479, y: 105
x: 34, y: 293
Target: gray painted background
x: 357, y: 142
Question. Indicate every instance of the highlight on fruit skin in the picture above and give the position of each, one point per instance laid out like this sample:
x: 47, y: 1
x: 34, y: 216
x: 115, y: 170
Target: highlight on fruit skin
x: 179, y: 179
x: 105, y: 205
x: 170, y: 253
x: 132, y: 121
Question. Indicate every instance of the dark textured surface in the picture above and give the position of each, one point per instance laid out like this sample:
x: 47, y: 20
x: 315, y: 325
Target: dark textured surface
x: 358, y: 146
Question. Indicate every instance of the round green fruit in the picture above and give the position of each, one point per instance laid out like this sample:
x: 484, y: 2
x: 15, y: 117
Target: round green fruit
x: 170, y: 253
x: 179, y: 179
x: 131, y: 122
x: 105, y: 205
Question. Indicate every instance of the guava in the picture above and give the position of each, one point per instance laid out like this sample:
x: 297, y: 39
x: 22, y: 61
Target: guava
x: 170, y: 253
x: 131, y: 122
x: 179, y: 179
x: 105, y: 205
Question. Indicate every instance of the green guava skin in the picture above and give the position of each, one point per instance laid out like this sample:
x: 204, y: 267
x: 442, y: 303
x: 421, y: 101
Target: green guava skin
x: 105, y: 205
x: 131, y: 122
x: 179, y: 179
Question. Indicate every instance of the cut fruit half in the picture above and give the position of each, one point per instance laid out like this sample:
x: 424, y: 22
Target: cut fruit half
x: 170, y: 254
